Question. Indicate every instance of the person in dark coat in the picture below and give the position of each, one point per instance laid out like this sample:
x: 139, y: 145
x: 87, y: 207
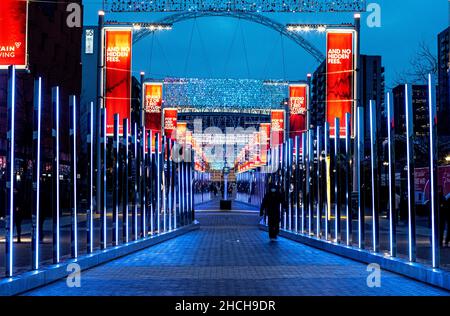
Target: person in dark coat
x: 271, y: 204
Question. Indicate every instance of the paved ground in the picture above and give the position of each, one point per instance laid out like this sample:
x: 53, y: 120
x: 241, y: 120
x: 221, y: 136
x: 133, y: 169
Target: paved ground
x: 230, y: 256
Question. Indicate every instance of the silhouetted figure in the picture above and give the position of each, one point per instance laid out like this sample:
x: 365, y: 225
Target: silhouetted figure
x: 271, y: 205
x: 444, y: 218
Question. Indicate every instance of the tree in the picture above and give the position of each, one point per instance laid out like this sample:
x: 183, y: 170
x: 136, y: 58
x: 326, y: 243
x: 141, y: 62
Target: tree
x: 422, y: 63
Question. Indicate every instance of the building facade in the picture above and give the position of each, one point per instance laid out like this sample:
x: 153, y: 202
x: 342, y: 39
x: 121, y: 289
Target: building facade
x: 443, y: 89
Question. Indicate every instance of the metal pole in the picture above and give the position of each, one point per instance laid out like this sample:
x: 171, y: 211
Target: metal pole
x: 357, y: 95
x: 359, y: 175
x: 392, y: 186
x: 435, y: 235
x: 9, y: 212
x: 310, y: 179
x: 136, y: 180
x: 374, y: 174
x: 164, y: 179
x: 304, y: 179
x: 90, y: 211
x: 327, y: 178
x: 308, y: 103
x: 55, y: 191
x: 297, y: 179
x: 169, y: 182
x: 125, y: 188
x: 348, y: 189
x: 36, y: 219
x: 337, y: 178
x: 104, y: 185
x: 150, y: 177
x: 100, y: 105
x: 116, y: 144
x: 73, y: 138
x: 144, y: 174
x: 158, y: 183
x: 410, y: 175
x: 319, y: 182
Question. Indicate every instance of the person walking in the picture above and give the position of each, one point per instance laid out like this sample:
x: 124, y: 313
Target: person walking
x: 271, y: 205
x: 443, y: 218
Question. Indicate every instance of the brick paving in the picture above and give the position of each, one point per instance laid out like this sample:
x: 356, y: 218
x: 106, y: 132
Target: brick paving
x: 229, y: 256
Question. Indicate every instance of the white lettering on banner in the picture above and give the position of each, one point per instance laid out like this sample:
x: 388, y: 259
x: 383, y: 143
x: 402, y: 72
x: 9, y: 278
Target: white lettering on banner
x: 336, y: 55
x: 152, y: 104
x: 114, y: 53
x: 297, y: 105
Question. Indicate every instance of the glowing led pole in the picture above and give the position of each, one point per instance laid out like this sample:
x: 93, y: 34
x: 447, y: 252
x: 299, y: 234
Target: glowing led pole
x: 90, y: 211
x: 9, y: 219
x: 179, y: 188
x: 359, y: 176
x: 337, y: 178
x: 150, y: 177
x: 116, y: 145
x: 410, y: 175
x: 169, y: 182
x: 164, y: 180
x: 374, y: 175
x: 348, y: 166
x: 288, y: 180
x: 73, y: 138
x: 125, y: 210
x: 391, y: 154
x: 104, y: 216
x: 303, y: 179
x: 297, y: 179
x: 327, y: 178
x: 143, y: 189
x: 36, y: 171
x: 319, y: 181
x: 135, y: 172
x: 55, y: 190
x: 310, y: 176
x: 158, y: 183
x: 435, y: 241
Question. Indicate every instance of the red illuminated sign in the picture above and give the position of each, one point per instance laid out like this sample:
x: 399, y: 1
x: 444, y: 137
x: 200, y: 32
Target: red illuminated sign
x: 117, y: 75
x: 298, y: 99
x: 340, y: 77
x: 277, y: 127
x: 13, y: 35
x: 170, y: 122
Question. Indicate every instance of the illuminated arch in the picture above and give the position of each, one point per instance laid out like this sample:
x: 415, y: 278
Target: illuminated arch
x: 248, y: 16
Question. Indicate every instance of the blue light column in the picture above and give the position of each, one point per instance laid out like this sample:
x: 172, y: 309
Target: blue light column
x: 374, y: 175
x: 435, y: 236
x: 37, y: 122
x: 74, y: 174
x: 56, y: 177
x: 9, y: 218
x: 391, y: 176
x: 410, y: 175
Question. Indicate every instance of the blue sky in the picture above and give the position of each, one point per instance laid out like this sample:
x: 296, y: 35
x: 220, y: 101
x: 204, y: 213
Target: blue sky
x: 229, y: 48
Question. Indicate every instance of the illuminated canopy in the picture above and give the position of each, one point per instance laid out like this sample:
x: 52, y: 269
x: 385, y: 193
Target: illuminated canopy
x: 309, y: 6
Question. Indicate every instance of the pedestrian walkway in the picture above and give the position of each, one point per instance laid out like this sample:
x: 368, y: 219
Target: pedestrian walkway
x: 230, y: 256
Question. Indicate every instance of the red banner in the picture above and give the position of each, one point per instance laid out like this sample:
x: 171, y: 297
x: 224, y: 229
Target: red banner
x: 277, y: 127
x: 298, y: 98
x: 181, y: 132
x: 153, y: 98
x: 170, y: 122
x: 340, y: 76
x: 264, y: 129
x: 118, y: 76
x: 13, y: 35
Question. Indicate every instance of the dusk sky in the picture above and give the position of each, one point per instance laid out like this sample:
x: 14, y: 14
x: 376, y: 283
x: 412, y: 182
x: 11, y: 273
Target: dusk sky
x: 219, y: 46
